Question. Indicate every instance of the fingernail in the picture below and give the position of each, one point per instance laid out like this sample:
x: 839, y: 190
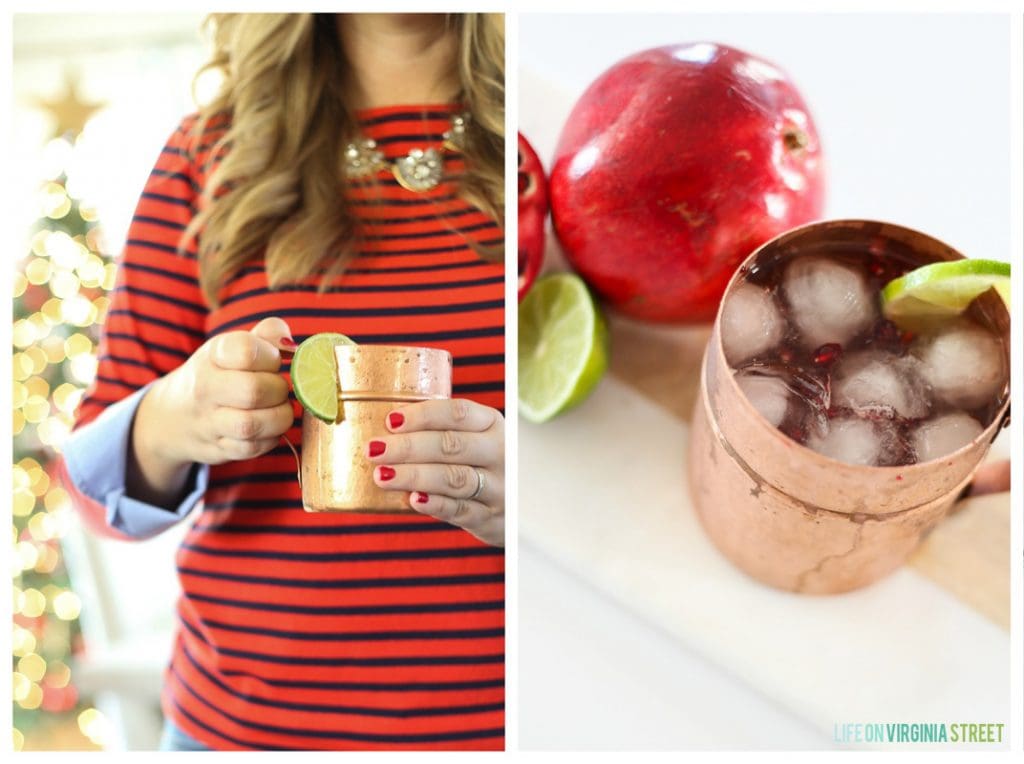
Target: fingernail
x: 386, y: 473
x: 396, y: 420
x: 422, y: 498
x: 288, y: 342
x: 377, y: 447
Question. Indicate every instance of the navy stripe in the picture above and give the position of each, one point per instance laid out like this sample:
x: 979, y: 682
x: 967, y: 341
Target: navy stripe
x: 329, y: 708
x: 305, y: 684
x: 383, y: 339
x: 317, y: 530
x: 359, y: 636
x: 422, y: 609
x: 405, y: 116
x: 429, y: 250
x: 152, y: 196
x: 175, y: 151
x: 253, y: 270
x: 152, y: 245
x: 184, y: 304
x: 198, y: 334
x: 148, y: 345
x: 480, y: 387
x: 403, y: 310
x: 256, y: 477
x: 350, y: 583
x: 386, y: 140
x: 345, y: 289
x: 118, y: 383
x: 437, y: 233
x: 390, y: 661
x: 436, y: 737
x: 182, y: 277
x: 178, y: 176
x: 158, y: 222
x: 396, y: 554
x: 478, y: 360
x: 439, y: 216
x: 119, y: 359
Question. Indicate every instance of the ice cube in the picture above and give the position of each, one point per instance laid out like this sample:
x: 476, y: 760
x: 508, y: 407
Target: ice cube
x: 751, y: 323
x: 944, y: 434
x: 829, y: 301
x: 855, y: 441
x: 881, y: 384
x: 769, y: 395
x: 963, y: 363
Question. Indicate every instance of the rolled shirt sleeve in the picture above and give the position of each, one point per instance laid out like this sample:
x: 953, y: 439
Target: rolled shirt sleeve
x: 96, y: 459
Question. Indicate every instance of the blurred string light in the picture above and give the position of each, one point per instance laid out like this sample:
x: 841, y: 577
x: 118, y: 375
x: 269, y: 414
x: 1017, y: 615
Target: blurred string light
x: 60, y: 299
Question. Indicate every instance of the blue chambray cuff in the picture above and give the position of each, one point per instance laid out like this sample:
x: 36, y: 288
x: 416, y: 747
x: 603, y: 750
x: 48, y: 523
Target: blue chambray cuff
x: 96, y: 457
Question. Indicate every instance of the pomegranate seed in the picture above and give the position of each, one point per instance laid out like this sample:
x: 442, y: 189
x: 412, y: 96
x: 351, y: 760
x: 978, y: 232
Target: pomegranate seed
x: 827, y: 353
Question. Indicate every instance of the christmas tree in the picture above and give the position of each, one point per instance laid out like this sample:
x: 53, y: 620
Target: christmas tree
x: 60, y: 300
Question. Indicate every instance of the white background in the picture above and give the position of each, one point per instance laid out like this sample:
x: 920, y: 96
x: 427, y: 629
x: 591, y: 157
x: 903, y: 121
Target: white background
x: 914, y: 116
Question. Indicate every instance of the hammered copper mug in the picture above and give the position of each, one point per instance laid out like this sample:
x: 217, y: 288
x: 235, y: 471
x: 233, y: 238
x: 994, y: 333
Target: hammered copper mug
x: 791, y: 517
x: 335, y: 474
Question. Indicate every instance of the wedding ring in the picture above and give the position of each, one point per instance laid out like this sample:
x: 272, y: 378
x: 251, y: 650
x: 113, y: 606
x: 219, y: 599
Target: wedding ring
x: 479, y: 483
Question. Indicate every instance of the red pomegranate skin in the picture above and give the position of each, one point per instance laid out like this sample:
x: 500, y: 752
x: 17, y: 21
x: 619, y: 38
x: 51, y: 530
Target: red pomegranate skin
x: 533, y: 211
x: 673, y: 166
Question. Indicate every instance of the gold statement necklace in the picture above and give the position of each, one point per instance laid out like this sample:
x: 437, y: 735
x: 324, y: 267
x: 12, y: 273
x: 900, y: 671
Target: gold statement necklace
x: 420, y: 170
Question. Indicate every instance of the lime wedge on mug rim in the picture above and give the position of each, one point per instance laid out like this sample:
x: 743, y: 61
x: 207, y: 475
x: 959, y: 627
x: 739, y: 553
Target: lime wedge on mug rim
x: 944, y: 289
x: 314, y: 373
x: 563, y: 346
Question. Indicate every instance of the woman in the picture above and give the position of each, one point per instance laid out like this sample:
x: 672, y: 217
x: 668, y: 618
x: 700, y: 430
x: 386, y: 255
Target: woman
x: 347, y: 178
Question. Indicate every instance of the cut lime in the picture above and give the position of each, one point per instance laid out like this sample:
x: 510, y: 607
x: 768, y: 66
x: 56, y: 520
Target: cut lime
x: 943, y: 289
x: 563, y: 346
x: 314, y: 373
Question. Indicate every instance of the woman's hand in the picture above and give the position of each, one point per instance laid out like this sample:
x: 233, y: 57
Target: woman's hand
x: 450, y: 456
x: 227, y: 402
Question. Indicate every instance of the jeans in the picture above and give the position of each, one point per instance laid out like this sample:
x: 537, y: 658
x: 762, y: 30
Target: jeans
x: 173, y: 739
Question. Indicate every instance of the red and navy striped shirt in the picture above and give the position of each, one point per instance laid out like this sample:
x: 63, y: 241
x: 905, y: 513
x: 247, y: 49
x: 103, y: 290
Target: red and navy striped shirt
x: 325, y: 631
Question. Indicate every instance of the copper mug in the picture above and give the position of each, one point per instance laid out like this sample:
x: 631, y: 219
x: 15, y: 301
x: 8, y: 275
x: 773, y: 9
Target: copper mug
x: 334, y: 473
x: 798, y: 520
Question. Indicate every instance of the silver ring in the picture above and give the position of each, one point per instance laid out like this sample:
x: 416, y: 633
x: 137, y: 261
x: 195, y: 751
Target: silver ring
x: 479, y: 483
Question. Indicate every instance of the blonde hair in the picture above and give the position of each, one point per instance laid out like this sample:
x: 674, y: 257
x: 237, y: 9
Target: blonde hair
x: 279, y: 186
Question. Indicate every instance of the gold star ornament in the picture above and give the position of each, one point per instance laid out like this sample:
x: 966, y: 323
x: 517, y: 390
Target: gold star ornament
x: 69, y: 112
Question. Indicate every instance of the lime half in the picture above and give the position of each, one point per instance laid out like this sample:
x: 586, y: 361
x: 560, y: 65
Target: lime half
x: 563, y: 346
x: 943, y: 289
x: 314, y: 373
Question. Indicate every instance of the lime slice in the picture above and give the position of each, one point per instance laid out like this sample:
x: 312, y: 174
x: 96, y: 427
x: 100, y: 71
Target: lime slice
x: 314, y: 373
x: 943, y: 289
x: 563, y: 346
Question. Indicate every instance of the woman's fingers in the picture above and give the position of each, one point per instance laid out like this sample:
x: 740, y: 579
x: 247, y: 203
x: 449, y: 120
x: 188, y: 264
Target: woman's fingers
x: 454, y: 414
x: 253, y: 424
x: 246, y: 389
x: 244, y: 351
x: 445, y: 447
x: 455, y: 480
x: 479, y: 519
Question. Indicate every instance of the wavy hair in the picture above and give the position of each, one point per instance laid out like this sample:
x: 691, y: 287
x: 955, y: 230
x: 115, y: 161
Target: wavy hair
x: 279, y: 187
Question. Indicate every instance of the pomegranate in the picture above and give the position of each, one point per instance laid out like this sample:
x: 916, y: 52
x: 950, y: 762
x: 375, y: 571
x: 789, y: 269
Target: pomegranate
x: 533, y: 209
x: 673, y: 166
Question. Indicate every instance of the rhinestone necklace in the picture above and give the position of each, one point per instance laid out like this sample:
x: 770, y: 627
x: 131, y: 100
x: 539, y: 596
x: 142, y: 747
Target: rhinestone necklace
x: 420, y: 170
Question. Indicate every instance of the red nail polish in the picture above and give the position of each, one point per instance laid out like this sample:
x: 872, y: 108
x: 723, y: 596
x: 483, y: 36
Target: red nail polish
x: 377, y: 447
x: 422, y: 498
x: 387, y: 473
x: 396, y: 420
x: 288, y: 342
